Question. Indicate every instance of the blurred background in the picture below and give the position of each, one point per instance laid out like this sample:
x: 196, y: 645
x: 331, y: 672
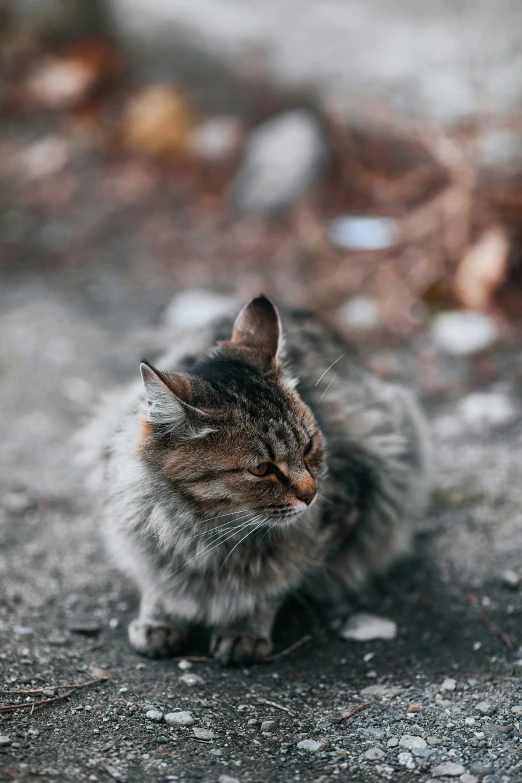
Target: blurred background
x: 162, y: 161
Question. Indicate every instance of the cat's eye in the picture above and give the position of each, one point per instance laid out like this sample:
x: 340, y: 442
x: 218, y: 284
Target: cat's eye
x: 309, y: 446
x: 261, y: 470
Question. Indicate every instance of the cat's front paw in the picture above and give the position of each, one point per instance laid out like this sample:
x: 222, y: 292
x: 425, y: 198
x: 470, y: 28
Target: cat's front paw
x: 156, y: 640
x: 229, y: 647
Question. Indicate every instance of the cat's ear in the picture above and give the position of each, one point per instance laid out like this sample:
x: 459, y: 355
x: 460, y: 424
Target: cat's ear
x: 169, y: 395
x: 258, y: 327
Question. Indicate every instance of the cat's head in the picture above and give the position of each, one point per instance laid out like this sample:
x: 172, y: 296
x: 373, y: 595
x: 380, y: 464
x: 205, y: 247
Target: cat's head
x: 233, y: 435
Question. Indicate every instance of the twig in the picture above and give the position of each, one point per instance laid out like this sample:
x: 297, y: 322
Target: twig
x: 351, y: 714
x: 276, y: 705
x: 489, y: 623
x: 32, y: 704
x: 268, y: 659
x: 57, y: 687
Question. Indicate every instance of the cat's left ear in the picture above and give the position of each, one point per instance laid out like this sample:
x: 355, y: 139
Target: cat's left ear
x: 258, y: 328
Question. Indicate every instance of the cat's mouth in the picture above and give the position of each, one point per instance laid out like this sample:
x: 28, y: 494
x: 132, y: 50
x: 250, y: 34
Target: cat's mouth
x: 284, y: 513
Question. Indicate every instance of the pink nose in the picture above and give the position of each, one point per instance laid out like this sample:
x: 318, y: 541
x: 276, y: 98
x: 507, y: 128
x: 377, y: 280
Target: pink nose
x: 306, y: 490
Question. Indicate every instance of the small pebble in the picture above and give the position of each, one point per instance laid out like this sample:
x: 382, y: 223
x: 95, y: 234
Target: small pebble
x: 114, y: 623
x: 4, y: 741
x: 352, y: 232
x: 360, y: 314
x: 49, y: 693
x: 228, y: 779
x: 449, y: 684
x: 364, y: 627
x: 374, y: 754
x: 184, y: 665
x: 517, y: 709
x: 485, y: 708
x: 406, y: 760
x: 432, y: 740
x: 267, y: 725
x: 463, y: 332
x: 313, y: 746
x: 410, y: 741
x: 203, y: 734
x: 154, y: 715
x: 392, y: 742
x: 22, y: 629
x: 511, y: 579
x: 414, y: 708
x: 466, y: 778
x: 449, y: 769
x: 180, y: 718
x: 191, y: 679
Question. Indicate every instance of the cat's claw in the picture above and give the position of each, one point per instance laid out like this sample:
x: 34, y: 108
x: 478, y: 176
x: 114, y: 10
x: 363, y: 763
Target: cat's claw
x: 156, y: 640
x: 239, y: 647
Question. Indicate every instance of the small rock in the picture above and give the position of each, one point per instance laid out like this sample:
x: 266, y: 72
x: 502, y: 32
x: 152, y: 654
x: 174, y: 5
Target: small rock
x: 84, y: 626
x: 184, y: 665
x: 485, y: 708
x: 216, y: 751
x: 180, y: 718
x: 49, y: 693
x: 392, y: 742
x: 22, y: 629
x: 195, y: 308
x: 414, y: 708
x: 360, y: 314
x: 463, y: 332
x: 191, y: 679
x: 466, y: 778
x: 216, y: 139
x: 374, y: 754
x: 406, y: 760
x: 283, y: 157
x: 114, y: 623
x: 517, y: 709
x: 154, y: 715
x: 432, y: 740
x: 364, y: 627
x: 449, y: 684
x: 381, y: 691
x: 480, y: 409
x: 511, y: 579
x: 352, y: 232
x: 203, y: 734
x: 4, y: 741
x: 16, y: 502
x: 228, y: 779
x: 495, y: 730
x: 313, y: 746
x: 267, y: 725
x: 449, y: 769
x: 410, y: 741
x: 481, y: 770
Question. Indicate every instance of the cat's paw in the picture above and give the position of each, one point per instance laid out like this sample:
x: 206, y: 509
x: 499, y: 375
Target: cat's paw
x: 156, y: 640
x: 229, y: 647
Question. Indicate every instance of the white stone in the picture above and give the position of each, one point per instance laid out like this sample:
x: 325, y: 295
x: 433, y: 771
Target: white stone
x: 216, y: 139
x: 485, y: 708
x: 466, y: 778
x: 364, y: 627
x: 283, y: 157
x: 411, y: 741
x: 449, y: 684
x: 511, y: 579
x: 360, y: 314
x: 463, y: 332
x: 180, y: 718
x: 191, y: 679
x: 374, y: 754
x: 406, y: 760
x: 486, y: 409
x: 184, y: 665
x: 362, y: 233
x: 449, y: 769
x: 154, y: 715
x: 196, y: 307
x: 5, y: 741
x: 203, y: 734
x: 313, y: 746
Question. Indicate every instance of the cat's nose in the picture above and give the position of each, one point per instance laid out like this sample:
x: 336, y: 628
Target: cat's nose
x: 306, y: 490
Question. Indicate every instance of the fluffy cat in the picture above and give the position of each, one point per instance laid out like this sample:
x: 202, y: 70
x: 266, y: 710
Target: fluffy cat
x: 258, y: 462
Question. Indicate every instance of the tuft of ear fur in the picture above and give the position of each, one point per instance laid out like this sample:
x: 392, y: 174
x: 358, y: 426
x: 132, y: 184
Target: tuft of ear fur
x: 168, y: 395
x: 258, y: 327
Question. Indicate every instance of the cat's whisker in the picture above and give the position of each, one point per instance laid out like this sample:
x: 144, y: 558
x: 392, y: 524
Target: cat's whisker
x: 218, y: 527
x: 334, y: 376
x: 330, y: 367
x: 241, y: 540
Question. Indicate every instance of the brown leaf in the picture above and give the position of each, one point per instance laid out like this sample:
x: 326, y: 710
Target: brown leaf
x: 158, y: 122
x: 482, y: 269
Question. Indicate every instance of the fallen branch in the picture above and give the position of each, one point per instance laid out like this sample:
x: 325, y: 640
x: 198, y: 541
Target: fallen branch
x: 268, y: 659
x: 351, y: 714
x: 489, y: 623
x: 57, y: 687
x: 276, y: 705
x: 32, y: 704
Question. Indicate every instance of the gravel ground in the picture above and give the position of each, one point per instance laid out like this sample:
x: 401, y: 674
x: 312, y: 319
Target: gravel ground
x: 83, y: 288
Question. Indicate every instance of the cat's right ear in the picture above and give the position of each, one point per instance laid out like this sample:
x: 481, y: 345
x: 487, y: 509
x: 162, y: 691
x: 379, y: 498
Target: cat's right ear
x: 168, y: 395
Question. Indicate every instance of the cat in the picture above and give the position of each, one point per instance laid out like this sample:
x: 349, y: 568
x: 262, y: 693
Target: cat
x: 255, y: 462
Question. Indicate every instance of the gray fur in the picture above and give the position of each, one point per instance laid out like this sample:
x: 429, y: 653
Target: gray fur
x: 191, y: 565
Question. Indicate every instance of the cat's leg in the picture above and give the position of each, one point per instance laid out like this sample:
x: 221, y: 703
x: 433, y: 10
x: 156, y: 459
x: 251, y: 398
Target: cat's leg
x: 154, y: 633
x: 247, y: 641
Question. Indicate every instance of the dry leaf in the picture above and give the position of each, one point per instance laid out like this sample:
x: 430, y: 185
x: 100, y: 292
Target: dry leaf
x: 158, y: 122
x: 482, y: 269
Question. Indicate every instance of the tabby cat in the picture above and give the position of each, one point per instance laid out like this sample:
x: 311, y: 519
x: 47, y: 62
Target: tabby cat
x: 253, y: 462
